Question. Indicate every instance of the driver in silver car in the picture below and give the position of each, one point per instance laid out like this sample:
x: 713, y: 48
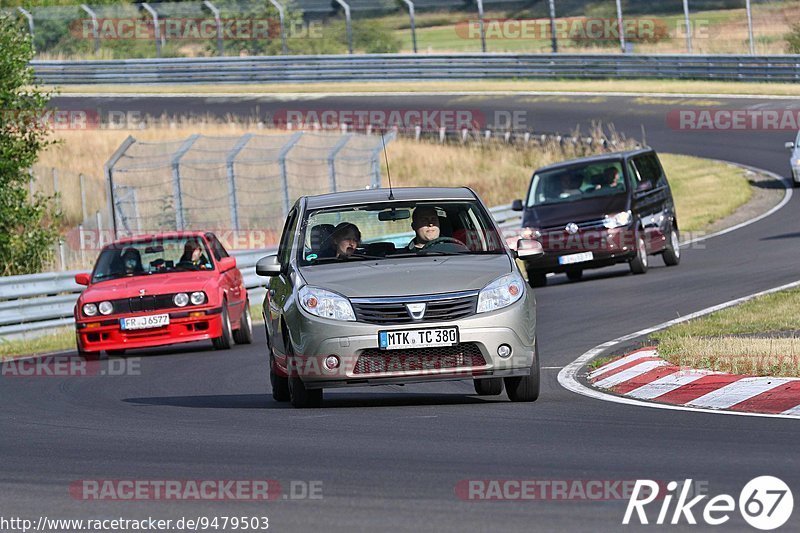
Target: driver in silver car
x: 425, y: 222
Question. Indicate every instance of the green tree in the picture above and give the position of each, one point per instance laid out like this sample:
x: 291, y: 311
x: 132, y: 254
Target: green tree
x: 28, y: 225
x: 793, y: 39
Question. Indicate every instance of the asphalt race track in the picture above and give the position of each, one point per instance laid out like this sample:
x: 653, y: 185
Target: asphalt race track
x: 391, y: 457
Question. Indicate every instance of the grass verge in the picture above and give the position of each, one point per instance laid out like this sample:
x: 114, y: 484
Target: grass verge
x: 577, y: 86
x: 756, y: 337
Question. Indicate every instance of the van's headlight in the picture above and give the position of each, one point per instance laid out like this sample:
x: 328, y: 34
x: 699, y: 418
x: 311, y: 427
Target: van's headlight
x: 326, y: 304
x: 620, y: 220
x: 501, y: 293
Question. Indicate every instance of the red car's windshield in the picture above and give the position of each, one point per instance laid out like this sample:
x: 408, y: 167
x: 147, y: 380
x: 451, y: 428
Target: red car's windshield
x: 152, y: 257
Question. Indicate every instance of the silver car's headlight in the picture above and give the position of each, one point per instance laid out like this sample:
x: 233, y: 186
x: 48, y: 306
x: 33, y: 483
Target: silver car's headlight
x: 619, y: 220
x: 326, y: 304
x: 501, y: 293
x: 795, y: 162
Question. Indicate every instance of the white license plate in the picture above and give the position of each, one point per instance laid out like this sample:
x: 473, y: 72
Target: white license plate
x: 575, y: 258
x: 418, y: 338
x: 144, y: 322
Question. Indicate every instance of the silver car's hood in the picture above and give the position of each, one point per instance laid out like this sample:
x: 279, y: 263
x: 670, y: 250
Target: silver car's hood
x: 408, y: 276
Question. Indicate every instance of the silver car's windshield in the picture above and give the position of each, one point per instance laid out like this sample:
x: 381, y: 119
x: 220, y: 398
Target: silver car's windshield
x: 575, y: 183
x: 397, y: 229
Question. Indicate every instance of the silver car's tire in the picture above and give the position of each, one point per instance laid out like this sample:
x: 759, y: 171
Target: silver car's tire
x: 280, y: 384
x: 299, y: 395
x: 244, y: 335
x: 525, y: 388
x: 537, y: 280
x: 489, y: 386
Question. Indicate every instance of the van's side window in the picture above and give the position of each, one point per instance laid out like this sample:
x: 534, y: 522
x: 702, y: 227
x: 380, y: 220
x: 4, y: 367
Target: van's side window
x: 649, y: 171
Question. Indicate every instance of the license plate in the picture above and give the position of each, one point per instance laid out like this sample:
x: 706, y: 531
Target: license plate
x: 144, y: 322
x: 418, y: 338
x: 575, y: 258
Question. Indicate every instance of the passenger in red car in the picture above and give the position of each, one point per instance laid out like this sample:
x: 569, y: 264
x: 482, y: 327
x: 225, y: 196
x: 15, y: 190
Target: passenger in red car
x: 132, y: 262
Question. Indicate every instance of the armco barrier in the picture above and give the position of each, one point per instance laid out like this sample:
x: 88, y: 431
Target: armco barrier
x: 36, y: 303
x: 404, y: 67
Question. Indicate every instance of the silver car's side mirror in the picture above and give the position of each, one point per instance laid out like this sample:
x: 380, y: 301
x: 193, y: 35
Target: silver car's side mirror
x: 268, y: 266
x: 789, y: 145
x: 527, y: 248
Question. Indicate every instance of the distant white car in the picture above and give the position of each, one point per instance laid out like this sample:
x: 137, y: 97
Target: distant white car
x: 795, y: 159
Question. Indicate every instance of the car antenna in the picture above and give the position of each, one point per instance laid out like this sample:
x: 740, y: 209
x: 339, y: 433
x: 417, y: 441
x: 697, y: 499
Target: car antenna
x: 388, y: 172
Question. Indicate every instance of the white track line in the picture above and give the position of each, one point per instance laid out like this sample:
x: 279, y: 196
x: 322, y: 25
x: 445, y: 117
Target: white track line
x: 736, y: 392
x: 629, y: 373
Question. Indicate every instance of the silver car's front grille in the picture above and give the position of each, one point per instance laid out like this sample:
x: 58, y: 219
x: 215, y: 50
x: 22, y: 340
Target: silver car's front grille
x: 438, y: 308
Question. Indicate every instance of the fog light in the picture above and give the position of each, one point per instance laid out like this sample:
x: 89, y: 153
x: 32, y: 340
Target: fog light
x: 197, y: 314
x: 504, y: 350
x: 331, y: 362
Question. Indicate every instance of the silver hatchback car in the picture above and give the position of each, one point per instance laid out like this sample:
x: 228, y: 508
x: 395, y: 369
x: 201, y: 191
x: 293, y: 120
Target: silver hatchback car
x: 412, y: 285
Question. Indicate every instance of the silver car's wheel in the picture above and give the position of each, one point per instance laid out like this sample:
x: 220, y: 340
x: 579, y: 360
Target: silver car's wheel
x: 299, y: 395
x: 280, y: 384
x: 489, y: 387
x: 525, y: 388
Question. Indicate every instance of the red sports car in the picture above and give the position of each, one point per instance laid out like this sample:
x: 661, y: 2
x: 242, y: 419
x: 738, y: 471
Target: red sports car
x: 162, y: 289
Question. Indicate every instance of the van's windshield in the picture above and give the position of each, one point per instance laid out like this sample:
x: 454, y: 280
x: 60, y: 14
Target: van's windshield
x: 575, y: 183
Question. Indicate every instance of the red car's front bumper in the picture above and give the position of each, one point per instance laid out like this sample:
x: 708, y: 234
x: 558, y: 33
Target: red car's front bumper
x: 104, y: 333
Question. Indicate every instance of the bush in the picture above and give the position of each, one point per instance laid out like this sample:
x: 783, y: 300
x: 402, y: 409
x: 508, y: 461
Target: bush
x: 28, y: 225
x: 793, y: 39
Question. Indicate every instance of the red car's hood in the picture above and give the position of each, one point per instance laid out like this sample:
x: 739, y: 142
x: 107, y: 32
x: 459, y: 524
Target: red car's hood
x: 129, y: 287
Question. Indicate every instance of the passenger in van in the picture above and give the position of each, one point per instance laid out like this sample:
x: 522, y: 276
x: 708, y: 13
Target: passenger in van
x: 570, y: 185
x: 612, y: 178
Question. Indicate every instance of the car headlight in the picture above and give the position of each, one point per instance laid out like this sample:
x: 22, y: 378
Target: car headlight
x: 795, y: 162
x: 619, y: 220
x: 326, y: 304
x: 181, y: 299
x: 198, y: 298
x: 105, y: 308
x: 501, y: 293
x: 89, y: 309
x: 530, y: 233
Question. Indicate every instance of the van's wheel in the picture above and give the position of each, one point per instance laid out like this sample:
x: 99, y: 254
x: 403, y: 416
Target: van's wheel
x: 244, y: 335
x: 575, y: 275
x: 672, y: 250
x: 280, y: 384
x: 537, y: 280
x: 525, y: 388
x: 224, y: 341
x: 489, y: 386
x: 639, y: 263
x: 299, y: 395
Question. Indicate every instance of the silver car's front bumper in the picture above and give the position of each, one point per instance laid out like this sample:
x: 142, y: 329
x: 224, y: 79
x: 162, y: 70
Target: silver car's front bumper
x: 314, y: 339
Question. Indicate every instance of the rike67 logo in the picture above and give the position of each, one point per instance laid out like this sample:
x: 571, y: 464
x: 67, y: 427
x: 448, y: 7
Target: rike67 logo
x: 765, y: 503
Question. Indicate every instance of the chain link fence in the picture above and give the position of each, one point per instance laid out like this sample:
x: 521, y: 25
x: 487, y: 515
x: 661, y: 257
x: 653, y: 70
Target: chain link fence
x: 233, y: 185
x: 278, y: 27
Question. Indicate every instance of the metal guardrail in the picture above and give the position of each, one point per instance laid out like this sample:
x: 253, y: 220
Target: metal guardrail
x: 403, y: 67
x: 43, y: 301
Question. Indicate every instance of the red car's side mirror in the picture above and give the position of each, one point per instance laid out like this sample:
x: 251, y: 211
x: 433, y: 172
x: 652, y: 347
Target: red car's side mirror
x: 227, y: 263
x: 82, y: 279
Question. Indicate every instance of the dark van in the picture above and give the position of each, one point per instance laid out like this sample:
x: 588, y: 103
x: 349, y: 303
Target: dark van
x: 599, y: 211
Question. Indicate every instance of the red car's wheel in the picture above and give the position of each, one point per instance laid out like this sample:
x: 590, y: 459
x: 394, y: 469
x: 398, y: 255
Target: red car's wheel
x: 224, y: 341
x: 244, y: 335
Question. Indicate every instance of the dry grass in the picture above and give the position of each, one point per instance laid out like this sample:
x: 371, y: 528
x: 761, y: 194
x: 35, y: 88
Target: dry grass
x: 524, y: 86
x: 729, y: 340
x: 738, y: 355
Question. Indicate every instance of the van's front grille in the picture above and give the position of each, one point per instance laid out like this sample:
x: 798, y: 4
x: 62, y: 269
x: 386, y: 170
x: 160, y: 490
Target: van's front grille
x: 438, y: 308
x: 582, y: 226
